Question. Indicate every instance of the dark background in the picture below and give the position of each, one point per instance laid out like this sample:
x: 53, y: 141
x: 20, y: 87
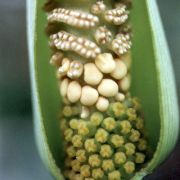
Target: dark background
x: 19, y: 159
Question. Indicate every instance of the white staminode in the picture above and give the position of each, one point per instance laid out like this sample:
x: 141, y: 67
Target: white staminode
x: 125, y: 83
x: 74, y: 91
x: 120, y: 97
x: 84, y: 112
x: 120, y: 70
x: 126, y: 58
x: 64, y: 86
x: 108, y: 88
x: 102, y: 104
x: 89, y: 96
x: 92, y: 74
x: 105, y: 63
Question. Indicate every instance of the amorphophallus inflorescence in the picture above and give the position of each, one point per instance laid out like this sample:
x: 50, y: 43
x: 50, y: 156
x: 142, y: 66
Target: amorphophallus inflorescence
x: 108, y: 107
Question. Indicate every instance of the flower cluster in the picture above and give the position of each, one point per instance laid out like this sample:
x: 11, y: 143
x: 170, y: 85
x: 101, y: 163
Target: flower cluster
x: 102, y: 125
x: 107, y: 145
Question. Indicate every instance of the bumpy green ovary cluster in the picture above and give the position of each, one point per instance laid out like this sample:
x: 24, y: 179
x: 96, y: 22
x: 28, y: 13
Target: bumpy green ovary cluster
x: 108, y: 145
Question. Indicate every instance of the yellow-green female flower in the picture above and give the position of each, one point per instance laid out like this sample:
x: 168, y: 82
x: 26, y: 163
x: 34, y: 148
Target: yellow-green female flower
x: 108, y: 145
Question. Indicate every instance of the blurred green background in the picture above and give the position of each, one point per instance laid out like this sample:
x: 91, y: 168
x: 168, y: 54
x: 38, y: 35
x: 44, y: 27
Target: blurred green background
x: 18, y: 155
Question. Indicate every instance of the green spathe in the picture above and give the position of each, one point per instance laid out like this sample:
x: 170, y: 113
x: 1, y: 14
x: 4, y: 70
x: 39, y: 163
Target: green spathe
x: 152, y: 82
